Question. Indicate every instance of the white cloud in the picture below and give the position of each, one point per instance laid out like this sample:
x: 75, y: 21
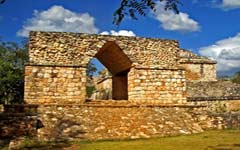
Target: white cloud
x: 226, y: 4
x: 175, y: 22
x: 60, y: 19
x: 226, y: 52
x: 230, y: 4
x: 119, y: 33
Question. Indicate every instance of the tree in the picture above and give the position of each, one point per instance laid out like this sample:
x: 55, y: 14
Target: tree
x: 91, y: 69
x: 236, y: 78
x: 133, y: 7
x: 2, y: 1
x: 90, y: 86
x: 12, y: 59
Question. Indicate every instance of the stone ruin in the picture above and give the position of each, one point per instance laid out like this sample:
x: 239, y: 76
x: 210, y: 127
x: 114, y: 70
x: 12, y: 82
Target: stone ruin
x: 150, y: 83
x: 197, y: 69
x: 142, y: 69
x: 102, y: 84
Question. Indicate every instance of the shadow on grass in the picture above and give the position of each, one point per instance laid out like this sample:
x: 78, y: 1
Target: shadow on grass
x: 33, y: 144
x: 224, y: 147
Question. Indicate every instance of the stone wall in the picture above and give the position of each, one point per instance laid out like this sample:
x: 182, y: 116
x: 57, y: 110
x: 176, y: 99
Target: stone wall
x: 110, y: 120
x: 103, y: 89
x: 197, y: 68
x: 218, y: 96
x: 54, y: 85
x: 217, y: 105
x: 77, y: 49
x: 200, y: 72
x: 215, y: 89
x: 17, y: 121
x: 146, y: 72
x: 154, y: 84
x: 228, y: 120
x: 105, y: 83
x: 57, y: 65
x: 116, y: 121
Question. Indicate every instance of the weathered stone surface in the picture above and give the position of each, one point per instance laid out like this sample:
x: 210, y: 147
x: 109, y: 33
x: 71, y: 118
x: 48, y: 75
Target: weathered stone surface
x: 164, y: 85
x: 154, y: 102
x: 213, y: 90
x: 111, y: 120
x: 50, y: 84
x: 16, y: 143
x: 17, y: 121
x: 77, y: 49
x: 197, y: 68
x: 57, y: 70
x: 218, y: 96
x: 115, y: 122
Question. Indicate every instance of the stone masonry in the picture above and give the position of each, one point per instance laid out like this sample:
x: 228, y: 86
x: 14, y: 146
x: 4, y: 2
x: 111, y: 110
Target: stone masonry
x: 197, y: 68
x: 116, y: 121
x: 162, y: 85
x: 142, y: 68
x: 47, y: 84
x: 148, y: 87
x: 218, y: 96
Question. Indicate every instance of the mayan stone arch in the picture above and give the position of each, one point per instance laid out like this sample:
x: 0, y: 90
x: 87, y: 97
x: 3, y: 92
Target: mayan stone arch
x: 118, y: 63
x: 143, y: 69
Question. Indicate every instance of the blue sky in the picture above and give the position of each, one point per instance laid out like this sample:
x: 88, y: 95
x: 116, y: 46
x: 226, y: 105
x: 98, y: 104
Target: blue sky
x: 210, y: 28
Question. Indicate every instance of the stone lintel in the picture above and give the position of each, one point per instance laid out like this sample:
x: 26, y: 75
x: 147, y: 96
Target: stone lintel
x: 54, y: 65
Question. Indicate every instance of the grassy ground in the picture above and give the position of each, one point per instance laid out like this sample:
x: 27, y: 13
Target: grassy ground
x: 210, y: 140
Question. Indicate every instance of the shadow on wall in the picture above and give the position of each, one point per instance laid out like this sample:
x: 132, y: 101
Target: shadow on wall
x: 18, y: 121
x: 66, y: 130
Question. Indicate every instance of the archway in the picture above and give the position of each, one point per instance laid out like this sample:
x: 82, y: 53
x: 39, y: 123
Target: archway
x: 118, y: 64
x: 99, y: 81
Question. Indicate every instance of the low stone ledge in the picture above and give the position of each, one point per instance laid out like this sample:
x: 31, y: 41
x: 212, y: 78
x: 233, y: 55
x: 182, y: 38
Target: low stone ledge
x: 4, y: 116
x: 159, y: 68
x: 197, y: 61
x: 226, y: 120
x: 225, y: 114
x: 224, y: 98
x: 87, y: 104
x: 94, y: 122
x: 32, y: 109
x: 54, y: 65
x: 20, y: 108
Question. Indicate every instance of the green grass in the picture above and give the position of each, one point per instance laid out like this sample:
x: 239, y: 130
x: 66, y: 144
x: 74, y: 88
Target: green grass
x: 209, y: 140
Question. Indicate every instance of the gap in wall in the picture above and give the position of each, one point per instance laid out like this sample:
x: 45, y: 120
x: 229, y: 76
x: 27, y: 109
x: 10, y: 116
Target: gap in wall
x: 99, y: 81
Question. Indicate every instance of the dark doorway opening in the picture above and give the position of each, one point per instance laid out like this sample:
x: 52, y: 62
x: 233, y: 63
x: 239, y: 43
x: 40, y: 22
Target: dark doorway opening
x: 118, y: 64
x: 120, y: 86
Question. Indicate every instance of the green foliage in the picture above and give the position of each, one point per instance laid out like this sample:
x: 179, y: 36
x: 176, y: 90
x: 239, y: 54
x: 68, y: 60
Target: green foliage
x: 91, y: 69
x: 223, y: 78
x: 236, y: 78
x: 2, y: 1
x: 133, y: 7
x: 90, y: 90
x: 12, y: 59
